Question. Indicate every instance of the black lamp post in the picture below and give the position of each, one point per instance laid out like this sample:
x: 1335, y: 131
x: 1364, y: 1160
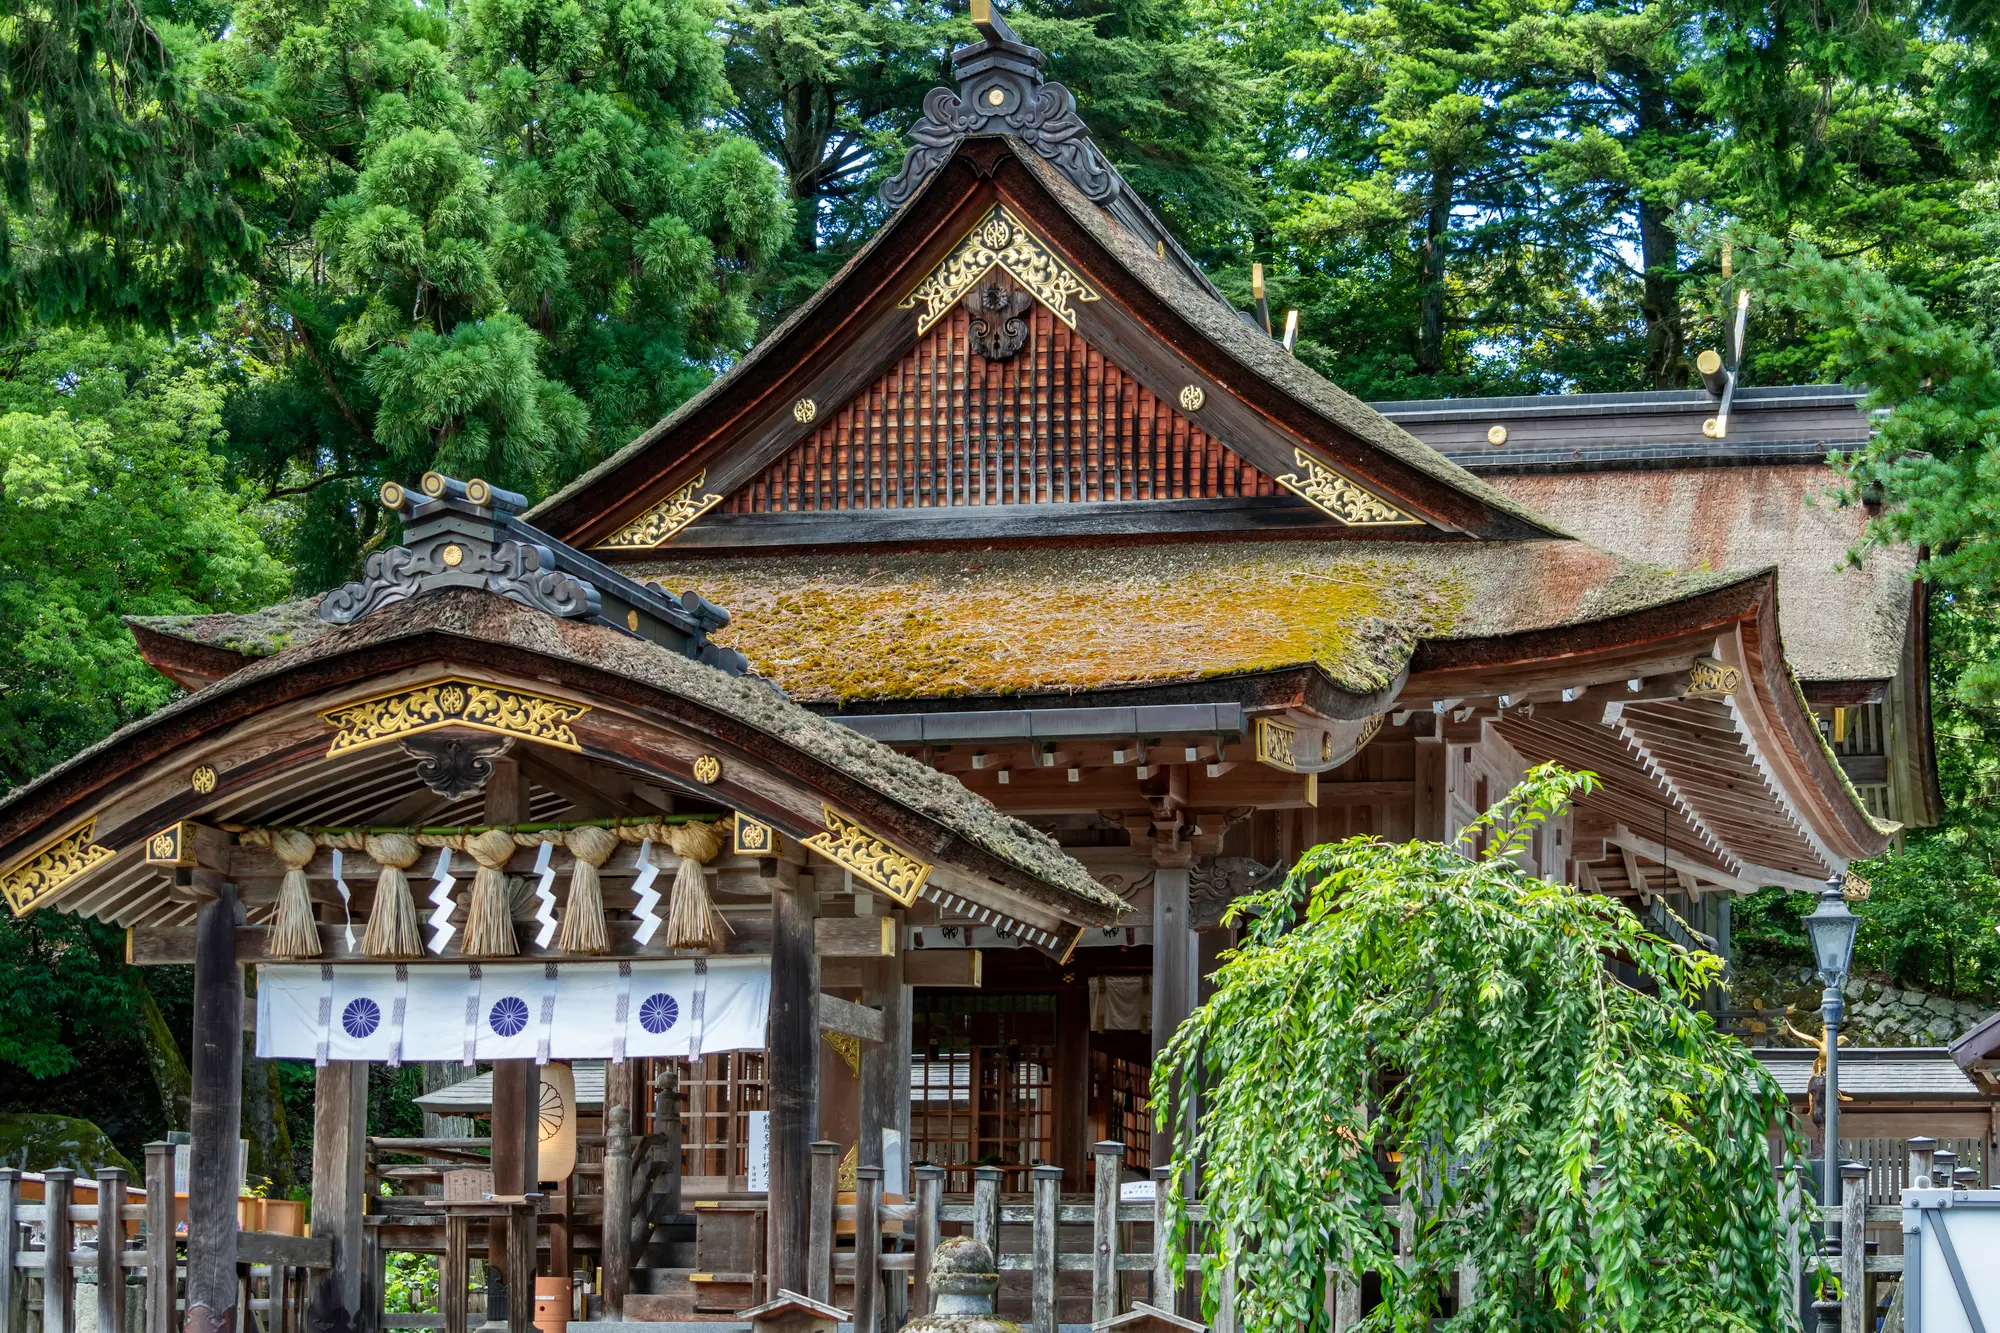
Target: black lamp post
x: 1832, y: 929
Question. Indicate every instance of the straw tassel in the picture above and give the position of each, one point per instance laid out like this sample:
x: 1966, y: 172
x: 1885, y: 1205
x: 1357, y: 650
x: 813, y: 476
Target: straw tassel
x: 583, y: 911
x: 489, y: 921
x: 691, y: 916
x: 393, y: 928
x: 294, y: 934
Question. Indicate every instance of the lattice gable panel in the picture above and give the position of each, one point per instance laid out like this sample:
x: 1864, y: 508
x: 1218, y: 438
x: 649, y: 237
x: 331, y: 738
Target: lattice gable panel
x: 1056, y: 422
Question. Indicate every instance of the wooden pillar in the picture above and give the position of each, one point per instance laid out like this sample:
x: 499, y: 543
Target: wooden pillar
x: 1173, y: 977
x: 455, y: 1272
x: 885, y: 1066
x: 930, y: 1194
x: 340, y: 1185
x: 10, y: 1240
x: 1857, y: 1309
x: 110, y: 1241
x: 867, y: 1248
x: 819, y: 1227
x: 1047, y: 1185
x: 615, y: 1235
x: 58, y: 1283
x: 1166, y: 1283
x: 792, y: 1075
x: 162, y: 1283
x: 517, y: 1084
x: 1432, y: 788
x: 1104, y: 1233
x: 986, y: 1207
x: 1072, y: 1078
x: 214, y: 1118
x: 520, y: 1260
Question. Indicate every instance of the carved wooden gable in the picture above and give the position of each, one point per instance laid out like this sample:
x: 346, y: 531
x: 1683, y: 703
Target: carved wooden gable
x: 1052, y: 421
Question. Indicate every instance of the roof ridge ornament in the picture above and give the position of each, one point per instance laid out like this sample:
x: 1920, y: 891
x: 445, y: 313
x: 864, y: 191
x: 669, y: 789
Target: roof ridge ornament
x: 1000, y: 91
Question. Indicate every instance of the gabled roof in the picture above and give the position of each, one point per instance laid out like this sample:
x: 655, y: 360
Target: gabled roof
x: 1155, y: 320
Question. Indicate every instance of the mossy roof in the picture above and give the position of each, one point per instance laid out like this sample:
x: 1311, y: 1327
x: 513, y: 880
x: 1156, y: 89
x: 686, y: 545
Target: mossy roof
x: 849, y: 628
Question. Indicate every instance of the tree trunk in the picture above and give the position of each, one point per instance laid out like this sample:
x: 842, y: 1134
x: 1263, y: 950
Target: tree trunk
x: 1659, y: 252
x: 164, y: 1060
x: 1437, y: 225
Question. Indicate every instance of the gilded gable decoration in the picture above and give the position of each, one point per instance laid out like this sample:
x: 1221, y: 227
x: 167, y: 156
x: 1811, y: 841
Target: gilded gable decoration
x: 1712, y: 679
x: 1339, y: 497
x: 872, y: 860
x: 657, y: 525
x: 999, y: 240
x: 452, y: 702
x: 30, y: 881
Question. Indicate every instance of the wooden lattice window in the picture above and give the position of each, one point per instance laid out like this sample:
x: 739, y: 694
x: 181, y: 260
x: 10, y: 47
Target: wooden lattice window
x: 982, y: 1085
x: 717, y: 1094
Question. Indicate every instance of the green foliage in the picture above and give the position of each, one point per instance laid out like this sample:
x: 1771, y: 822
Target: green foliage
x: 113, y: 502
x: 1594, y: 1148
x: 63, y: 975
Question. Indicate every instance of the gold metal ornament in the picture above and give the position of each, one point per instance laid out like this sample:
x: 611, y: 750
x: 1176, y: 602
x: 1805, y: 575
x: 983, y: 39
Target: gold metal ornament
x: 1192, y: 398
x: 454, y: 556
x: 393, y: 495
x: 1339, y: 497
x: 203, y: 779
x: 1275, y: 742
x: 172, y: 846
x: 478, y: 491
x: 433, y: 484
x: 1711, y: 679
x: 448, y: 703
x: 754, y: 837
x: 632, y: 621
x: 804, y: 410
x: 32, y: 880
x: 999, y: 241
x: 874, y: 861
x: 707, y: 769
x: 658, y: 525
x: 994, y: 97
x: 1496, y: 436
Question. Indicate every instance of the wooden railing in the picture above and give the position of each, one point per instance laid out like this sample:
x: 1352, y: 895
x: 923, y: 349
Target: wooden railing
x: 131, y: 1255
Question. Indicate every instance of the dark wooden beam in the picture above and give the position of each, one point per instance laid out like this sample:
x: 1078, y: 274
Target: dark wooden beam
x: 215, y: 1119
x: 792, y: 1076
x: 885, y: 1068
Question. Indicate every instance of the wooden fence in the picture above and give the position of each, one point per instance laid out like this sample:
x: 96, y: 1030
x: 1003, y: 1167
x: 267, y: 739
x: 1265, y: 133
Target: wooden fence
x: 118, y: 1258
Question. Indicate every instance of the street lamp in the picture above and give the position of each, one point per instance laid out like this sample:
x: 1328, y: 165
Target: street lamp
x: 1832, y: 929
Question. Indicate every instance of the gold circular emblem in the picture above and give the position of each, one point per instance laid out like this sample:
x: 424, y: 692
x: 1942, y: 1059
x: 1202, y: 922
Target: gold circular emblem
x: 632, y: 621
x: 995, y: 233
x: 453, y: 555
x: 202, y: 780
x: 995, y: 97
x: 451, y: 699
x: 478, y: 492
x: 433, y: 484
x: 804, y: 410
x: 1325, y: 746
x: 163, y: 846
x: 1496, y: 435
x: 707, y: 768
x: 1192, y: 397
x: 393, y: 495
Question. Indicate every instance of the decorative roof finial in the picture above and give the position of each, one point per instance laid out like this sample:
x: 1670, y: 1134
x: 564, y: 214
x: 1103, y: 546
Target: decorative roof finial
x: 1000, y: 91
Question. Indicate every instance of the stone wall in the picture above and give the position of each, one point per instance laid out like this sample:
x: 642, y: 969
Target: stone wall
x: 1879, y: 1012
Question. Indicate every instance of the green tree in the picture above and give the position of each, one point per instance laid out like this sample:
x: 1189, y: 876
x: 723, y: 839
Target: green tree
x: 1405, y: 1018
x: 113, y: 502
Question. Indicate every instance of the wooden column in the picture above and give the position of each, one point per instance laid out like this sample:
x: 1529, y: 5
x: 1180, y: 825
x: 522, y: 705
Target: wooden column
x: 1173, y: 976
x: 867, y: 1248
x: 1104, y: 1233
x: 1047, y: 1185
x: 517, y: 1084
x: 819, y: 1227
x: 616, y: 1232
x: 792, y: 1074
x: 340, y: 1186
x: 214, y: 1119
x: 1166, y: 1292
x: 885, y: 1066
x: 161, y: 1282
x: 1433, y: 786
x: 455, y: 1272
x: 1857, y: 1308
x: 521, y: 1229
x: 110, y: 1241
x: 930, y: 1194
x: 986, y: 1207
x: 58, y: 1280
x: 1072, y: 1077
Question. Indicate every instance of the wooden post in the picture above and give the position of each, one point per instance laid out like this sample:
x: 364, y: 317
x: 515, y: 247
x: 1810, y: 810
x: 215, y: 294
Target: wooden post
x: 1921, y: 1149
x: 517, y: 1100
x: 161, y: 1280
x: 1166, y: 1287
x: 58, y: 1285
x: 455, y: 1272
x: 1856, y: 1310
x: 986, y: 1207
x: 1072, y: 1079
x: 10, y: 1239
x: 1104, y: 1230
x: 521, y: 1260
x: 867, y: 1248
x: 1048, y: 1196
x: 340, y: 1185
x: 110, y: 1242
x: 1173, y: 978
x: 885, y: 1065
x: 1225, y: 1307
x: 1433, y: 787
x: 791, y: 1076
x: 667, y: 1136
x: 215, y: 1119
x: 930, y: 1192
x: 819, y: 1231
x: 615, y: 1236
